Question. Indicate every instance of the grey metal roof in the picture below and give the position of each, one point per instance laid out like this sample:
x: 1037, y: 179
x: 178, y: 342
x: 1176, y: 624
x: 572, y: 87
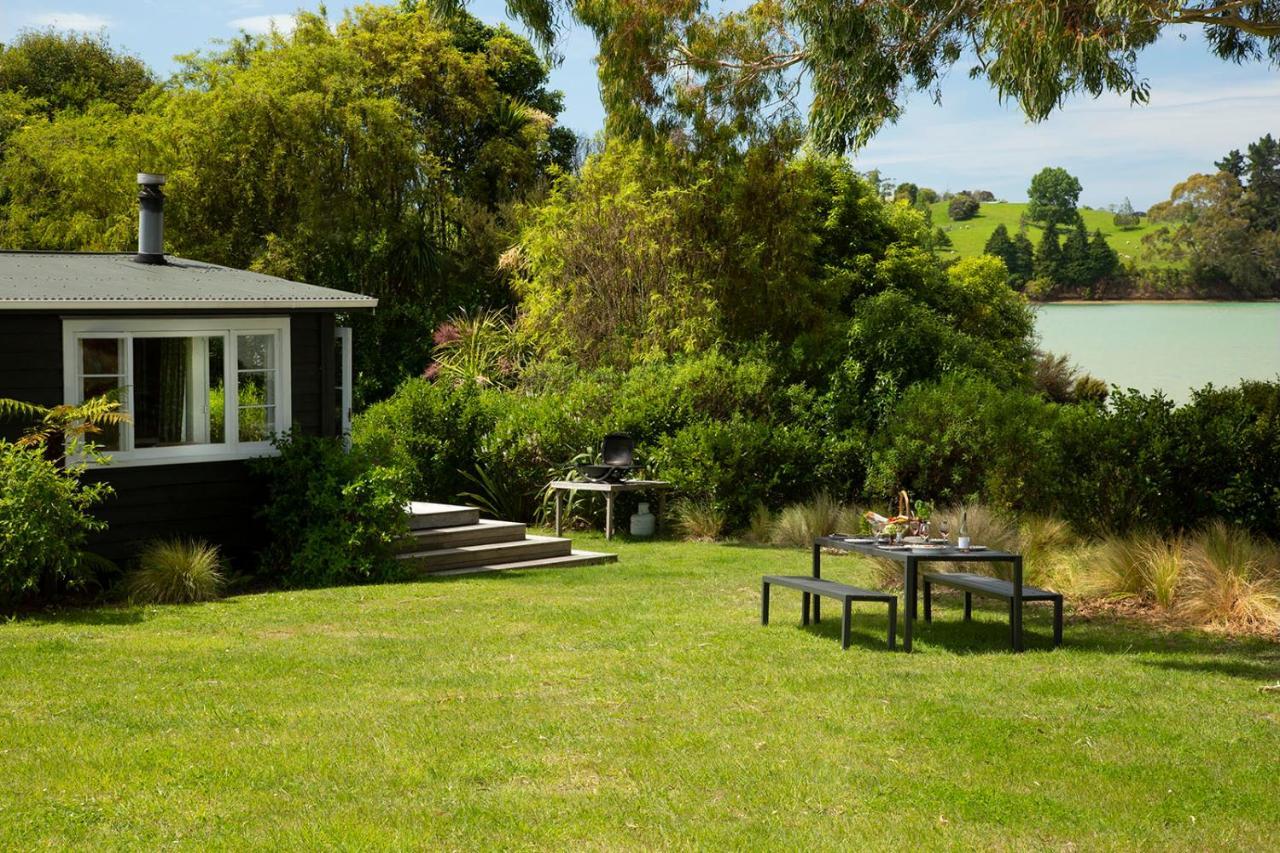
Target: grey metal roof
x: 97, y: 281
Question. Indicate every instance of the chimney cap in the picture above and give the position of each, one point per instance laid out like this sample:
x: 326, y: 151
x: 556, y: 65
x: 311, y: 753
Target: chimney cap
x: 149, y: 179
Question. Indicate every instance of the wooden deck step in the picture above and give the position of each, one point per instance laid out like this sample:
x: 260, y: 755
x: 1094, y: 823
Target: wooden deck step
x: 426, y: 516
x: 483, y: 532
x: 574, y: 558
x: 493, y: 553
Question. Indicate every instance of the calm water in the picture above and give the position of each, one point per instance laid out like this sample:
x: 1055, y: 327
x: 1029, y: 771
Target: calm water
x: 1173, y: 347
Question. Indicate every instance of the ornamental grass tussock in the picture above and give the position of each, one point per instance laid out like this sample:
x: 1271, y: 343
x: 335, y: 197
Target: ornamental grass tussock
x: 177, y: 571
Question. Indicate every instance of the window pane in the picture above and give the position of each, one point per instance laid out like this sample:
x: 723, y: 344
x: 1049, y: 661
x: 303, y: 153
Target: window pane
x: 257, y: 388
x: 109, y: 436
x: 217, y: 391
x: 100, y: 356
x: 257, y: 423
x: 256, y: 352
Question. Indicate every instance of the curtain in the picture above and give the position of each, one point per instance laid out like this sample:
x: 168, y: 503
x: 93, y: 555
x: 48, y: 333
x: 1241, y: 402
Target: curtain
x: 175, y: 379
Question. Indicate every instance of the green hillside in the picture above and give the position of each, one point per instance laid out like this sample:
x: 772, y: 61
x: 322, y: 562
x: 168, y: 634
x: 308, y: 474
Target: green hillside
x: 971, y: 235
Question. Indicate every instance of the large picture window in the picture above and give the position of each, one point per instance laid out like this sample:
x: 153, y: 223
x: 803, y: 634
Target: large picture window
x: 194, y: 389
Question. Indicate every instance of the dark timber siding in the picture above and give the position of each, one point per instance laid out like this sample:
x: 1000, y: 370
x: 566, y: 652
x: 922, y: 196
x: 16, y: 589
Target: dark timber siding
x: 212, y: 500
x: 30, y: 363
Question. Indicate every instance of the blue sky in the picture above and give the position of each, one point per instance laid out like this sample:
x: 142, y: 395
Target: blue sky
x: 1200, y: 107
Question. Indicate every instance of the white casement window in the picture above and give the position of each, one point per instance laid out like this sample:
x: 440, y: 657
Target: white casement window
x: 342, y: 387
x: 197, y: 389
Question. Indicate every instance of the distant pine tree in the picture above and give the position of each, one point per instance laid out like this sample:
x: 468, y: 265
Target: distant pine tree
x: 1048, y: 260
x: 1103, y: 260
x: 1126, y: 217
x: 1076, y: 267
x: 1025, y: 258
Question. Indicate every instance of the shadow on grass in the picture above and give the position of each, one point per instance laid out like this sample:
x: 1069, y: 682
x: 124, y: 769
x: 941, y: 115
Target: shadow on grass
x: 103, y: 614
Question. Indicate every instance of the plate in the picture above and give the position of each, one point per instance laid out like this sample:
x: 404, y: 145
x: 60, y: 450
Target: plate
x: 976, y: 548
x: 894, y: 547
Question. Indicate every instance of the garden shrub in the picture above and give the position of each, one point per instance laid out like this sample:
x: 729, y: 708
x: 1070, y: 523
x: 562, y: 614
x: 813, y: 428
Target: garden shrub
x: 430, y: 432
x: 964, y: 439
x: 332, y: 516
x: 44, y: 520
x: 739, y: 463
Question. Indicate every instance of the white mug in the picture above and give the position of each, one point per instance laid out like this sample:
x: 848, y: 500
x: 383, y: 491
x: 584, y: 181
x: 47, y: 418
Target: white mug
x: 963, y: 543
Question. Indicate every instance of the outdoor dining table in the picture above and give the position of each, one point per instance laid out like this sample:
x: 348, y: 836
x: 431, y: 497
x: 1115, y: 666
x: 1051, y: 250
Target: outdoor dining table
x: 911, y: 558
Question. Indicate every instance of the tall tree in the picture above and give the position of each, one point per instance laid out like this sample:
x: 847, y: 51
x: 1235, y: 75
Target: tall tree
x: 382, y: 154
x: 1103, y: 260
x: 666, y: 63
x: 1024, y: 258
x: 1048, y: 263
x: 1052, y: 196
x: 1125, y: 217
x: 67, y: 71
x: 1077, y: 268
x: 1262, y: 196
x: 1000, y: 246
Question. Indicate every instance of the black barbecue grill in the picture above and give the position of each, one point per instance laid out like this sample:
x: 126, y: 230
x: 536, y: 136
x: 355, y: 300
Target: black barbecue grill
x: 617, y: 460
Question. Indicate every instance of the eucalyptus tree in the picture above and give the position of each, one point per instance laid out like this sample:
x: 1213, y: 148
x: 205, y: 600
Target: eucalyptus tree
x: 667, y: 63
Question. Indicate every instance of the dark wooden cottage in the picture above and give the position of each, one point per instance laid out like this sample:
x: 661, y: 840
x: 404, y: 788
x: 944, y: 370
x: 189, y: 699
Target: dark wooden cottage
x: 212, y: 361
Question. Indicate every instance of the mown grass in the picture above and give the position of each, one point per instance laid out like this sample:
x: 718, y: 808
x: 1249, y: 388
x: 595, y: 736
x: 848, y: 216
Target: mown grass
x: 635, y: 705
x: 970, y: 236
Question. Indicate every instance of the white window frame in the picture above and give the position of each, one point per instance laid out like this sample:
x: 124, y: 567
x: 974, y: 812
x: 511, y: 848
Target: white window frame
x: 128, y: 328
x: 344, y: 376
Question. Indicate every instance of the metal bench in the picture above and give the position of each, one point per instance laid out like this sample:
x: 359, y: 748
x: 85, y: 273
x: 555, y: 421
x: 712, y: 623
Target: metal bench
x: 992, y: 588
x: 815, y: 587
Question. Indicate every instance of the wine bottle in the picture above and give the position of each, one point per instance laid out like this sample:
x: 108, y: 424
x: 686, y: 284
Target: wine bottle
x: 963, y: 534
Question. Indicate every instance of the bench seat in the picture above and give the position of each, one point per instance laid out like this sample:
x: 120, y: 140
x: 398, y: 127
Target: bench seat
x: 812, y: 588
x: 990, y: 587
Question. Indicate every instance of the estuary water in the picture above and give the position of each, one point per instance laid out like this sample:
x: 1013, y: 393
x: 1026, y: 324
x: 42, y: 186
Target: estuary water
x: 1170, y: 346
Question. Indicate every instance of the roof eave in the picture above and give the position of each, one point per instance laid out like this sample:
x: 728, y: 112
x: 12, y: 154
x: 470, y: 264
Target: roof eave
x: 170, y: 304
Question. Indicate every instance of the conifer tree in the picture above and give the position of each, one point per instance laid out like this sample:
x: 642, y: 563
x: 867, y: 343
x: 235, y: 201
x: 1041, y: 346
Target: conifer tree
x: 1048, y: 261
x: 1103, y: 260
x: 1076, y: 268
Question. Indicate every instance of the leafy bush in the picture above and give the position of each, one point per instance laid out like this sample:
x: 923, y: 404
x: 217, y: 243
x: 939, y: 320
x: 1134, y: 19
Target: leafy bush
x: 738, y: 463
x: 44, y: 520
x: 332, y: 516
x: 965, y: 439
x: 430, y: 432
x: 177, y: 571
x: 962, y: 206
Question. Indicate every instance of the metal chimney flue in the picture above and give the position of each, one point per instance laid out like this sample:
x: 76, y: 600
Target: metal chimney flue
x: 150, y: 219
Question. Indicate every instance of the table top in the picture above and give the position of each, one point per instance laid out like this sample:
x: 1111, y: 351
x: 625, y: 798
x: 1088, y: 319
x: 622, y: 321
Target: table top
x: 949, y: 554
x: 624, y: 486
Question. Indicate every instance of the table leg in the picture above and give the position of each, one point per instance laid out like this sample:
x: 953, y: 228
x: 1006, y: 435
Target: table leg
x: 1017, y: 604
x: 817, y: 573
x: 559, y: 500
x: 909, y: 612
x: 608, y: 516
x: 764, y: 603
x: 804, y: 608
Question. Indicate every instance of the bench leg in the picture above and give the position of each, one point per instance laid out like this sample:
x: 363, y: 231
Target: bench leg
x: 844, y: 623
x: 1057, y: 621
x: 804, y: 608
x: 928, y: 601
x: 893, y: 621
x: 817, y: 573
x: 968, y: 607
x: 764, y: 603
x: 1013, y: 625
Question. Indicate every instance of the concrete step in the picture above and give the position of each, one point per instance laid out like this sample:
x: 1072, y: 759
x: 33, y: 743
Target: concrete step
x: 482, y: 532
x: 494, y: 553
x: 573, y: 558
x: 427, y: 516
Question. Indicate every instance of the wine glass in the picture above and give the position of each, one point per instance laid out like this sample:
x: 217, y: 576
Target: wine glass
x: 944, y: 528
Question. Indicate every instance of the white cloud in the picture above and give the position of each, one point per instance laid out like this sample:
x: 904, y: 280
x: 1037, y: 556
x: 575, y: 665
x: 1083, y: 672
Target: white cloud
x: 262, y: 24
x: 70, y: 21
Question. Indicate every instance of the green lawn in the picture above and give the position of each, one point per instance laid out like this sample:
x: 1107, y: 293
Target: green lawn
x: 635, y: 705
x: 970, y: 236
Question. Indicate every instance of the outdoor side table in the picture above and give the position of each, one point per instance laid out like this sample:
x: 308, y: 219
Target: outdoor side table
x: 911, y: 559
x: 611, y: 491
